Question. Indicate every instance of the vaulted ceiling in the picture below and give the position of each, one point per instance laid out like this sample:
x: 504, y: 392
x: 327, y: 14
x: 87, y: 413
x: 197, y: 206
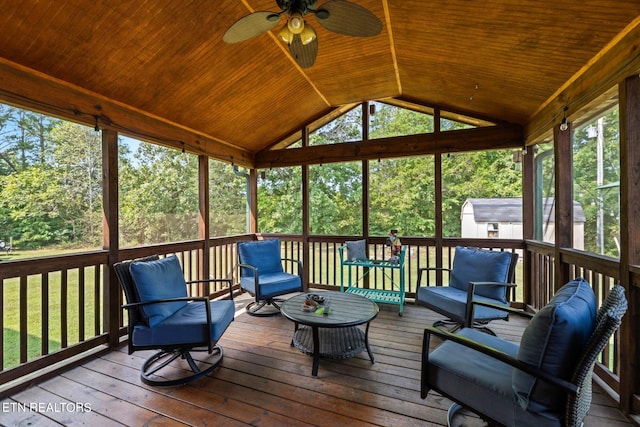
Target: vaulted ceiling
x: 165, y: 64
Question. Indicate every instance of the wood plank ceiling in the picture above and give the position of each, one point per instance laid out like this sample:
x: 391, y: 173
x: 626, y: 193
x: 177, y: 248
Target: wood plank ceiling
x: 495, y: 59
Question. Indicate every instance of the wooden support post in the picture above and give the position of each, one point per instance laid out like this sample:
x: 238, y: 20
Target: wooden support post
x: 563, y: 152
x: 305, y: 216
x: 253, y: 201
x: 112, y: 312
x: 630, y: 241
x: 528, y: 217
x: 437, y: 158
x: 204, y: 227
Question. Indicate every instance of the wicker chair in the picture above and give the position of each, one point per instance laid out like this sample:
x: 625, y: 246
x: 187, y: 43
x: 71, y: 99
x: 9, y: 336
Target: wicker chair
x: 501, y: 382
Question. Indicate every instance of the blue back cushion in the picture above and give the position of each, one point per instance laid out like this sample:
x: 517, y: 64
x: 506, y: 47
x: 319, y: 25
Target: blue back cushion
x: 159, y: 279
x: 263, y: 254
x: 356, y: 250
x: 554, y: 340
x: 480, y: 265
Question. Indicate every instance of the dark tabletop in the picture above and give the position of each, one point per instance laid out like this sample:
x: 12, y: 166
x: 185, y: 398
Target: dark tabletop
x: 344, y: 310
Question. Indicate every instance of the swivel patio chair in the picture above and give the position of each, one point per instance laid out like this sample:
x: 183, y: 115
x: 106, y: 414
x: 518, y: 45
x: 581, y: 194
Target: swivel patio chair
x: 544, y: 381
x: 263, y: 276
x: 476, y: 274
x: 163, y: 317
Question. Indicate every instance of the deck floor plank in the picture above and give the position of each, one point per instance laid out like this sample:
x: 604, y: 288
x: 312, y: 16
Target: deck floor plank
x: 264, y: 381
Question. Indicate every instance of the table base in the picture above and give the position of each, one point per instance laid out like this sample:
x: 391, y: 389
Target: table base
x: 333, y: 343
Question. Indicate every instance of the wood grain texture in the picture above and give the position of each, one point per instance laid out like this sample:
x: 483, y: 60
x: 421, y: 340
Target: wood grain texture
x: 264, y: 381
x: 161, y: 69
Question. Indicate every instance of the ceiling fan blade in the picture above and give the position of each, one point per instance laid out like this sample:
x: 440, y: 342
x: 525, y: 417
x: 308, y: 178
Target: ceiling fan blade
x: 251, y: 26
x: 348, y: 18
x: 305, y: 55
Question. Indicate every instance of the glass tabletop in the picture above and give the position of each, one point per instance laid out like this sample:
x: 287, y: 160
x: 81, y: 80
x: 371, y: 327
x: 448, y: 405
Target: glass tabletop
x: 343, y: 310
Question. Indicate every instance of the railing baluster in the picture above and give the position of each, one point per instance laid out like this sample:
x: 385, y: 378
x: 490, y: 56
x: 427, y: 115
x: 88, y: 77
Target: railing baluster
x: 44, y: 301
x: 23, y: 319
x: 81, y: 305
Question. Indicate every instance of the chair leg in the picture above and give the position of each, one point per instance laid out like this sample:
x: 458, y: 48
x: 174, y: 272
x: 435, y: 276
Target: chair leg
x: 451, y: 325
x: 150, y: 371
x: 271, y: 308
x: 454, y: 326
x: 458, y: 411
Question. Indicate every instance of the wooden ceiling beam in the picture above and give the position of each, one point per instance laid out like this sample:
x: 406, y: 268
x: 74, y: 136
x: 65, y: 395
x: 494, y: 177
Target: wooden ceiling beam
x: 27, y: 88
x: 486, y: 138
x: 618, y: 60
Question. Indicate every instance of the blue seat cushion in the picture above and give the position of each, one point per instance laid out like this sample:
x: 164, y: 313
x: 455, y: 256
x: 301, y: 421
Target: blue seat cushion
x: 262, y: 254
x: 159, y: 279
x: 480, y: 381
x: 187, y: 325
x: 554, y: 340
x: 272, y: 285
x: 473, y: 377
x: 480, y: 265
x: 453, y: 302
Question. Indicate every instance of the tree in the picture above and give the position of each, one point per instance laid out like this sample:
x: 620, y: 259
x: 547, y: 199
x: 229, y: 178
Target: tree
x: 158, y: 196
x: 76, y: 152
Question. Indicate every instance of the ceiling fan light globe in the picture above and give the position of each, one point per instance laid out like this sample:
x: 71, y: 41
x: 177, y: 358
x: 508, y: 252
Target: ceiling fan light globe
x: 307, y: 35
x: 285, y: 34
x: 295, y: 23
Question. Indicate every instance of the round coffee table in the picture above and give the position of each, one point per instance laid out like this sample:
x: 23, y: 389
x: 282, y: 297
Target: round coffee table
x: 334, y: 335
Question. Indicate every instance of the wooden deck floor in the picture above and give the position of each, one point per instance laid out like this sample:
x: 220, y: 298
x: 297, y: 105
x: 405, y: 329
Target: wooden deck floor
x: 263, y: 381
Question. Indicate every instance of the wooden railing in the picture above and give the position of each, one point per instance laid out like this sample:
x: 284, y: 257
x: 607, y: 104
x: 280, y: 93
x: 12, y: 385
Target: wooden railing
x: 52, y: 309
x: 601, y: 272
x: 324, y: 260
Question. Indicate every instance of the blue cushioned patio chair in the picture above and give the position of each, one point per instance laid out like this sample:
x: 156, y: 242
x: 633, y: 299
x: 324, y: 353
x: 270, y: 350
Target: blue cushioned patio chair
x: 476, y: 274
x: 544, y: 381
x: 162, y: 316
x: 262, y: 275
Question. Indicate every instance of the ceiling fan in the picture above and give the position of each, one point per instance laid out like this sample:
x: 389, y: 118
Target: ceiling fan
x: 338, y: 16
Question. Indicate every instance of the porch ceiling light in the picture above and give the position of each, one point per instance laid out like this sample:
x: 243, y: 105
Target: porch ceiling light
x: 563, y: 124
x: 296, y: 25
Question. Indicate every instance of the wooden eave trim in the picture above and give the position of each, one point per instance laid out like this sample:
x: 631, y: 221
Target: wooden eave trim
x: 27, y: 88
x: 618, y: 60
x: 489, y: 138
x: 313, y: 124
x: 451, y: 113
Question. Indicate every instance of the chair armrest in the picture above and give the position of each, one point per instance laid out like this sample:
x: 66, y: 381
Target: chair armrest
x: 506, y: 308
x: 506, y: 285
x: 229, y: 282
x: 249, y: 266
x: 532, y: 370
x: 163, y: 300
x: 471, y: 290
x: 295, y: 261
x: 422, y: 269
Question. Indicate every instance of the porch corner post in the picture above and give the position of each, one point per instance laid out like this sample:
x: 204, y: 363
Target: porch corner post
x: 112, y: 312
x: 253, y: 201
x: 528, y: 219
x: 204, y: 228
x: 629, y: 91
x: 437, y: 159
x: 563, y: 200
x: 305, y: 215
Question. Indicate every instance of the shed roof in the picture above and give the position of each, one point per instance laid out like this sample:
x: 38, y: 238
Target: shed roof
x: 509, y: 209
